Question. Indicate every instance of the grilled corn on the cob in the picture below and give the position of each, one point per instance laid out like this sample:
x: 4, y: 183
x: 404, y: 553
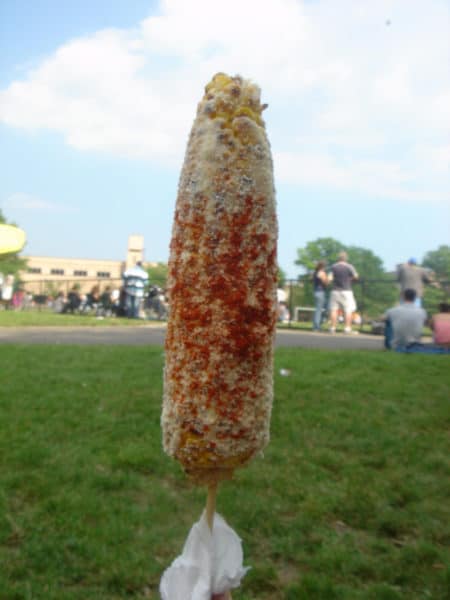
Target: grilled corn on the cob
x: 222, y: 288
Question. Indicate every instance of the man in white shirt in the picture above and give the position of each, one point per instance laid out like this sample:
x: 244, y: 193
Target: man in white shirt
x: 135, y: 280
x: 404, y: 323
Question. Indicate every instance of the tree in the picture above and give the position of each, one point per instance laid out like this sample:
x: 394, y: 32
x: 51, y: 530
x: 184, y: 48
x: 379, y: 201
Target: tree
x: 158, y: 274
x: 11, y: 263
x: 326, y: 249
x: 368, y: 264
x: 439, y: 262
x: 375, y: 290
x: 281, y: 277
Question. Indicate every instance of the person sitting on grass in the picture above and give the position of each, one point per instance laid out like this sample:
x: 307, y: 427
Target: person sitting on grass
x: 440, y: 324
x: 73, y: 300
x: 404, y: 323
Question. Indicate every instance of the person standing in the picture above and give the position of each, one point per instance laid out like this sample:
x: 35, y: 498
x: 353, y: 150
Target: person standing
x: 283, y: 311
x: 7, y: 291
x: 135, y: 280
x: 320, y: 281
x: 412, y: 277
x: 342, y: 274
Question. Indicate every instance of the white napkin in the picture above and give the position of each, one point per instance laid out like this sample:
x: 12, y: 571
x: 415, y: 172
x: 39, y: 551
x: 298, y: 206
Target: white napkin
x: 209, y: 564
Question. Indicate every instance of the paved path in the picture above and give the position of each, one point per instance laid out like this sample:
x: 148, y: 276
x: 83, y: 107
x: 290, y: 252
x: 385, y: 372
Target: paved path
x: 154, y: 335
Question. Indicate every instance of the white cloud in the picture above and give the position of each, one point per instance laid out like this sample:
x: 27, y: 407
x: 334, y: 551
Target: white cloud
x: 22, y: 201
x: 355, y: 89
x: 381, y: 179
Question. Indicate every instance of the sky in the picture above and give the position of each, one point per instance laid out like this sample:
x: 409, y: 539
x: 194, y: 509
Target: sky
x: 97, y: 98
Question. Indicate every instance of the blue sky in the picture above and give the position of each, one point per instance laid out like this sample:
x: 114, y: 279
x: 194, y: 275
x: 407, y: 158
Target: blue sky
x: 97, y: 98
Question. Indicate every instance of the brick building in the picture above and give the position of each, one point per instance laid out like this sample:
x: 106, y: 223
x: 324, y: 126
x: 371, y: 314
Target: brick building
x: 45, y: 273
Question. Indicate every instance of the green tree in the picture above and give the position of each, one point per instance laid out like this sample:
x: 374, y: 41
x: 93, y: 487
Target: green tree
x: 439, y: 262
x: 433, y: 296
x: 326, y: 249
x: 158, y: 274
x: 11, y: 263
x: 375, y: 291
x: 281, y: 277
x: 368, y: 264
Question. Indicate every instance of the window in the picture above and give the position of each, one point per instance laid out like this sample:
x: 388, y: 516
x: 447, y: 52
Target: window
x: 80, y: 273
x: 103, y: 274
x: 56, y: 271
x: 35, y: 270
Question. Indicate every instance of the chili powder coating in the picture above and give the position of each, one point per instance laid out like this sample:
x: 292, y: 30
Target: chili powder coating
x: 218, y: 377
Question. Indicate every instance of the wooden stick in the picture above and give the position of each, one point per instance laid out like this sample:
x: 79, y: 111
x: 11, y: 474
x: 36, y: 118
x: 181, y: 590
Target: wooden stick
x: 210, y: 510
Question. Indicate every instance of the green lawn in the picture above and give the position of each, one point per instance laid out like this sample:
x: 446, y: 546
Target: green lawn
x: 47, y: 318
x: 351, y: 500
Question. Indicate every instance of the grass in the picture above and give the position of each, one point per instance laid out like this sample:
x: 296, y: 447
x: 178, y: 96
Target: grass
x: 307, y: 326
x: 47, y: 318
x: 351, y: 500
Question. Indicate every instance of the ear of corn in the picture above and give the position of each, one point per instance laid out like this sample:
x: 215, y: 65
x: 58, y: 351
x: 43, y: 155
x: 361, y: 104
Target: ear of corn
x: 222, y: 288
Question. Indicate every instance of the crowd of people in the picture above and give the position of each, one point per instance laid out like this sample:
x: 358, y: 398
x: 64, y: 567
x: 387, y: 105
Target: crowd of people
x: 403, y: 324
x: 134, y: 298
x: 102, y: 303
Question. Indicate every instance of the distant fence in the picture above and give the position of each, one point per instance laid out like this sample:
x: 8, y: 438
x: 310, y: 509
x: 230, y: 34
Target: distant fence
x: 50, y: 287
